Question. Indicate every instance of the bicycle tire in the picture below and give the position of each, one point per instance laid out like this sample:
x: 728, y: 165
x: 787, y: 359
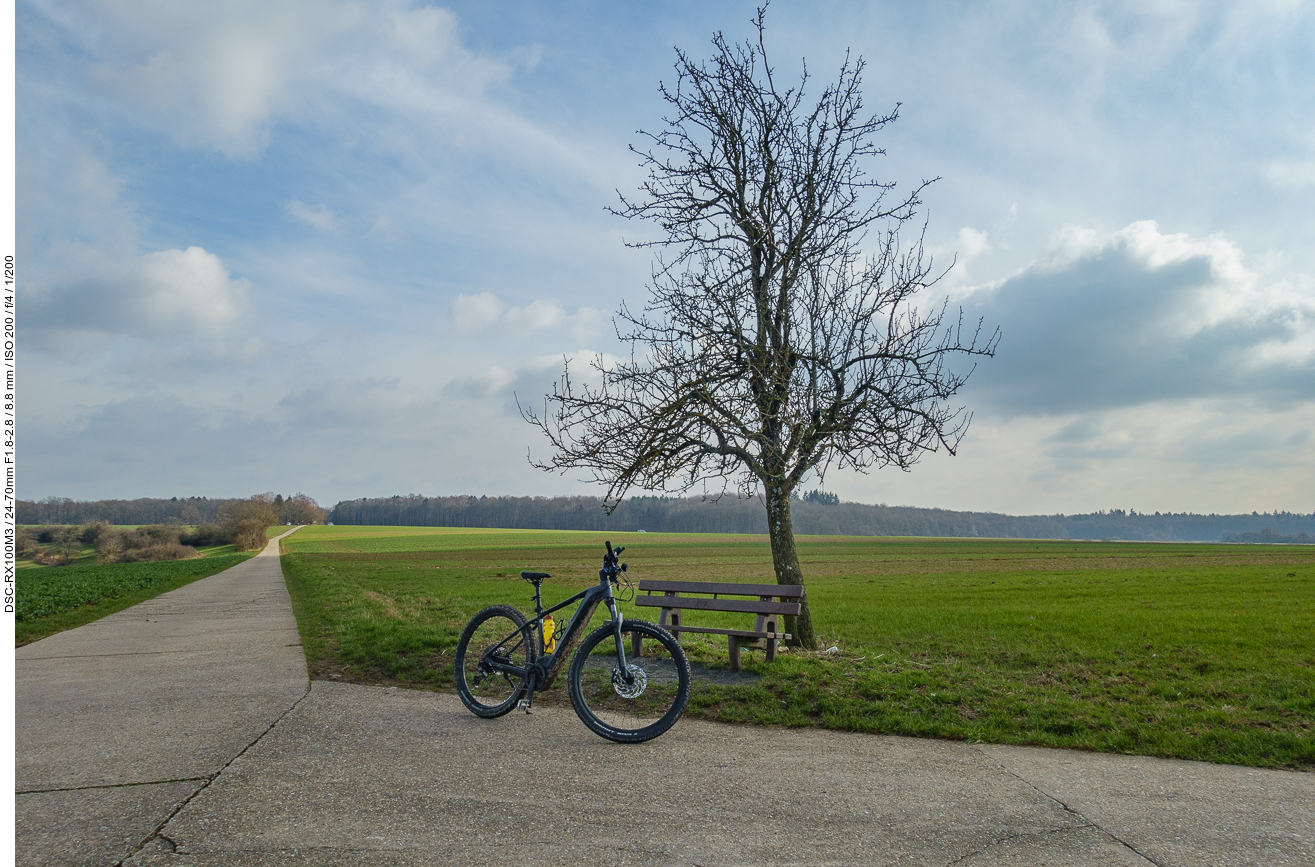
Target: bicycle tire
x: 485, y: 693
x: 599, y: 698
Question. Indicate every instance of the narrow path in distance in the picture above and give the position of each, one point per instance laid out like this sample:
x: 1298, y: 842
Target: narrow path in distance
x: 122, y: 721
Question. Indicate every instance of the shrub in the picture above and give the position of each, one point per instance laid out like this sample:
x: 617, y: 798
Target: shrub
x: 25, y: 542
x: 206, y: 534
x: 109, y: 545
x: 154, y: 534
x: 245, y: 521
x: 92, y: 531
x: 249, y: 535
x: 159, y: 553
x: 64, y: 545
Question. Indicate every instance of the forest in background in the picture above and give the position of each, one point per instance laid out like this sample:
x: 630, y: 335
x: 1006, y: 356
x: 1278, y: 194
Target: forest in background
x: 815, y: 514
x: 812, y: 515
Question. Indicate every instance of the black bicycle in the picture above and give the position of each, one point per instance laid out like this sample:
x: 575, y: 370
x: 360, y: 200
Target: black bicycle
x: 629, y: 680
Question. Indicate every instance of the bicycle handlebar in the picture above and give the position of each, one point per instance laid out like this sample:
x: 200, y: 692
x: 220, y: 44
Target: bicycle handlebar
x: 610, y: 561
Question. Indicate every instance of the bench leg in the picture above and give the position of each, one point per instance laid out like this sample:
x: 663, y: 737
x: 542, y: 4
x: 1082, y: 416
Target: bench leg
x: 771, y: 649
x: 735, y: 653
x: 636, y: 648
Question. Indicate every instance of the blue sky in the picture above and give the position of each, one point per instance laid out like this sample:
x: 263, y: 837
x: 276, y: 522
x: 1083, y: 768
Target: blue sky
x: 317, y: 245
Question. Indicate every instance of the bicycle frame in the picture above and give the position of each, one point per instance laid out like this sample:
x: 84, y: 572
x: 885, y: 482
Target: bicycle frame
x: 542, y: 673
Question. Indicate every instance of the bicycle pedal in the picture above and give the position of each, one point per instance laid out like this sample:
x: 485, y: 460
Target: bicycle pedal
x: 523, y: 704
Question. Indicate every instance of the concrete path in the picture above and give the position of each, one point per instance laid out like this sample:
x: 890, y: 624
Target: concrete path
x: 122, y: 721
x: 273, y: 774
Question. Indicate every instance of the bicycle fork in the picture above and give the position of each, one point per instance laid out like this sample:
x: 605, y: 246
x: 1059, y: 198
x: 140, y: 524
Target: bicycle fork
x: 622, y: 668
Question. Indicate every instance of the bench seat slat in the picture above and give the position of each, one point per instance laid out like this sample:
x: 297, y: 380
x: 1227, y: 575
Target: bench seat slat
x: 744, y: 633
x: 792, y: 591
x: 691, y: 603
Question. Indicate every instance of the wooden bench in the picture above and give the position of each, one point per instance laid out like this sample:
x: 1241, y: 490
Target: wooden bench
x: 678, y: 596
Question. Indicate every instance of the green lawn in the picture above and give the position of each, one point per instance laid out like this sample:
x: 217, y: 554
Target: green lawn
x: 1191, y: 651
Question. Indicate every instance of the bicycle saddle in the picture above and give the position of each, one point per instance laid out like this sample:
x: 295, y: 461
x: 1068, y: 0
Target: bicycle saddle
x: 535, y: 577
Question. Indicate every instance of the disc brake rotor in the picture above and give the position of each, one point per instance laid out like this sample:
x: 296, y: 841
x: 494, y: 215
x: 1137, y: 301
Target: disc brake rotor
x: 630, y: 690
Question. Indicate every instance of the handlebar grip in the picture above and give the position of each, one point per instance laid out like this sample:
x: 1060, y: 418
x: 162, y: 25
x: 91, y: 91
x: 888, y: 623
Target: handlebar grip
x: 609, y: 548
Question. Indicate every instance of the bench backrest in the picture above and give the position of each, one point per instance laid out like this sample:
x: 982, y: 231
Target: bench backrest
x: 779, y: 591
x: 693, y: 595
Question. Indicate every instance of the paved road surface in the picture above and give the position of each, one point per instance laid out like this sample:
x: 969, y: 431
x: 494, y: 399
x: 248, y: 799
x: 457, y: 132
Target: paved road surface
x: 184, y: 732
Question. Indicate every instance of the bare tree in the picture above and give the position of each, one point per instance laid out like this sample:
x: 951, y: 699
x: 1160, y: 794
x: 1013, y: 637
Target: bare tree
x: 781, y: 338
x: 302, y: 509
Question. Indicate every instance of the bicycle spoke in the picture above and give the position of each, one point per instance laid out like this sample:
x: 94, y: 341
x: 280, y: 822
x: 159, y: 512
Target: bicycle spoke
x: 635, y: 703
x: 495, y: 637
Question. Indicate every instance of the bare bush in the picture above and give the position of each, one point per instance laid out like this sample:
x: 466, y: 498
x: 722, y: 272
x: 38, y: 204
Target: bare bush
x: 65, y: 545
x: 158, y: 553
x: 245, y: 522
x: 154, y: 534
x: 25, y: 542
x: 109, y: 545
x: 206, y: 534
x: 92, y: 530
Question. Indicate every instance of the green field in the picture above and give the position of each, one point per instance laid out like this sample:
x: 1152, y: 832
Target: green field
x: 52, y: 599
x: 1183, y: 650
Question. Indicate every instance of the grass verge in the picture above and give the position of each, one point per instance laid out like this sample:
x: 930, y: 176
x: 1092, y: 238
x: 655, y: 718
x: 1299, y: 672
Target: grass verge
x: 1187, y: 651
x: 54, y: 599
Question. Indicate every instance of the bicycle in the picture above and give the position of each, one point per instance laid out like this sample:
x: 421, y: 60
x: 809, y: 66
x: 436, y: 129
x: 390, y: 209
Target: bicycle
x: 503, y: 658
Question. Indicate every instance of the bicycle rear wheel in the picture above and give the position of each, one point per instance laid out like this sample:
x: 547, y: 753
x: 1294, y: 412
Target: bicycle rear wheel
x: 635, y: 711
x: 496, y: 635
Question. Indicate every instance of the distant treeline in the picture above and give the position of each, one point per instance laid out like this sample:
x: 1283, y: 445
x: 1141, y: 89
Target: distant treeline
x: 193, y: 511
x: 183, y: 510
x: 729, y: 515
x: 812, y: 516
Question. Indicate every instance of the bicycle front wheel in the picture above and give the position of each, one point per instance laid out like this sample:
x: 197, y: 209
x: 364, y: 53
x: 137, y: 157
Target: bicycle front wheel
x: 494, y: 639
x: 641, y: 706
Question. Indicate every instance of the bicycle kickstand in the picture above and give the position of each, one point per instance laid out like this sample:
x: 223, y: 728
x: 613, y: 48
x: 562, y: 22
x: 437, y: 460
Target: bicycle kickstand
x: 528, y: 702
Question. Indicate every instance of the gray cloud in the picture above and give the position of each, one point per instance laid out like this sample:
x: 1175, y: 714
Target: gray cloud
x: 1136, y: 317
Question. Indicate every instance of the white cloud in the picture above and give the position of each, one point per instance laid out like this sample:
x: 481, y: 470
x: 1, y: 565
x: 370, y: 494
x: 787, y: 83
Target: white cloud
x: 169, y: 293
x: 476, y: 314
x: 1286, y: 174
x: 320, y: 216
x: 485, y: 313
x: 222, y: 75
x: 967, y: 245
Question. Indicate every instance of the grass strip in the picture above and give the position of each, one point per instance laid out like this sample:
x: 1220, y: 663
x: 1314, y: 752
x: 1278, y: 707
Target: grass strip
x: 1186, y: 651
x: 55, y: 599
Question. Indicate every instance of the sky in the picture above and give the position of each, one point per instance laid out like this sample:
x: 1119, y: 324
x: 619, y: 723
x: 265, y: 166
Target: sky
x: 324, y: 245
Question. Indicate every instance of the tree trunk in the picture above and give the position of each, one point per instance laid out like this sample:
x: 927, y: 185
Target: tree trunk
x: 785, y: 560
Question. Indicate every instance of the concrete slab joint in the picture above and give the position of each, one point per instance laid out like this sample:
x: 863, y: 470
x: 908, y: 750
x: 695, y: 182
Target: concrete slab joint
x: 1084, y: 821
